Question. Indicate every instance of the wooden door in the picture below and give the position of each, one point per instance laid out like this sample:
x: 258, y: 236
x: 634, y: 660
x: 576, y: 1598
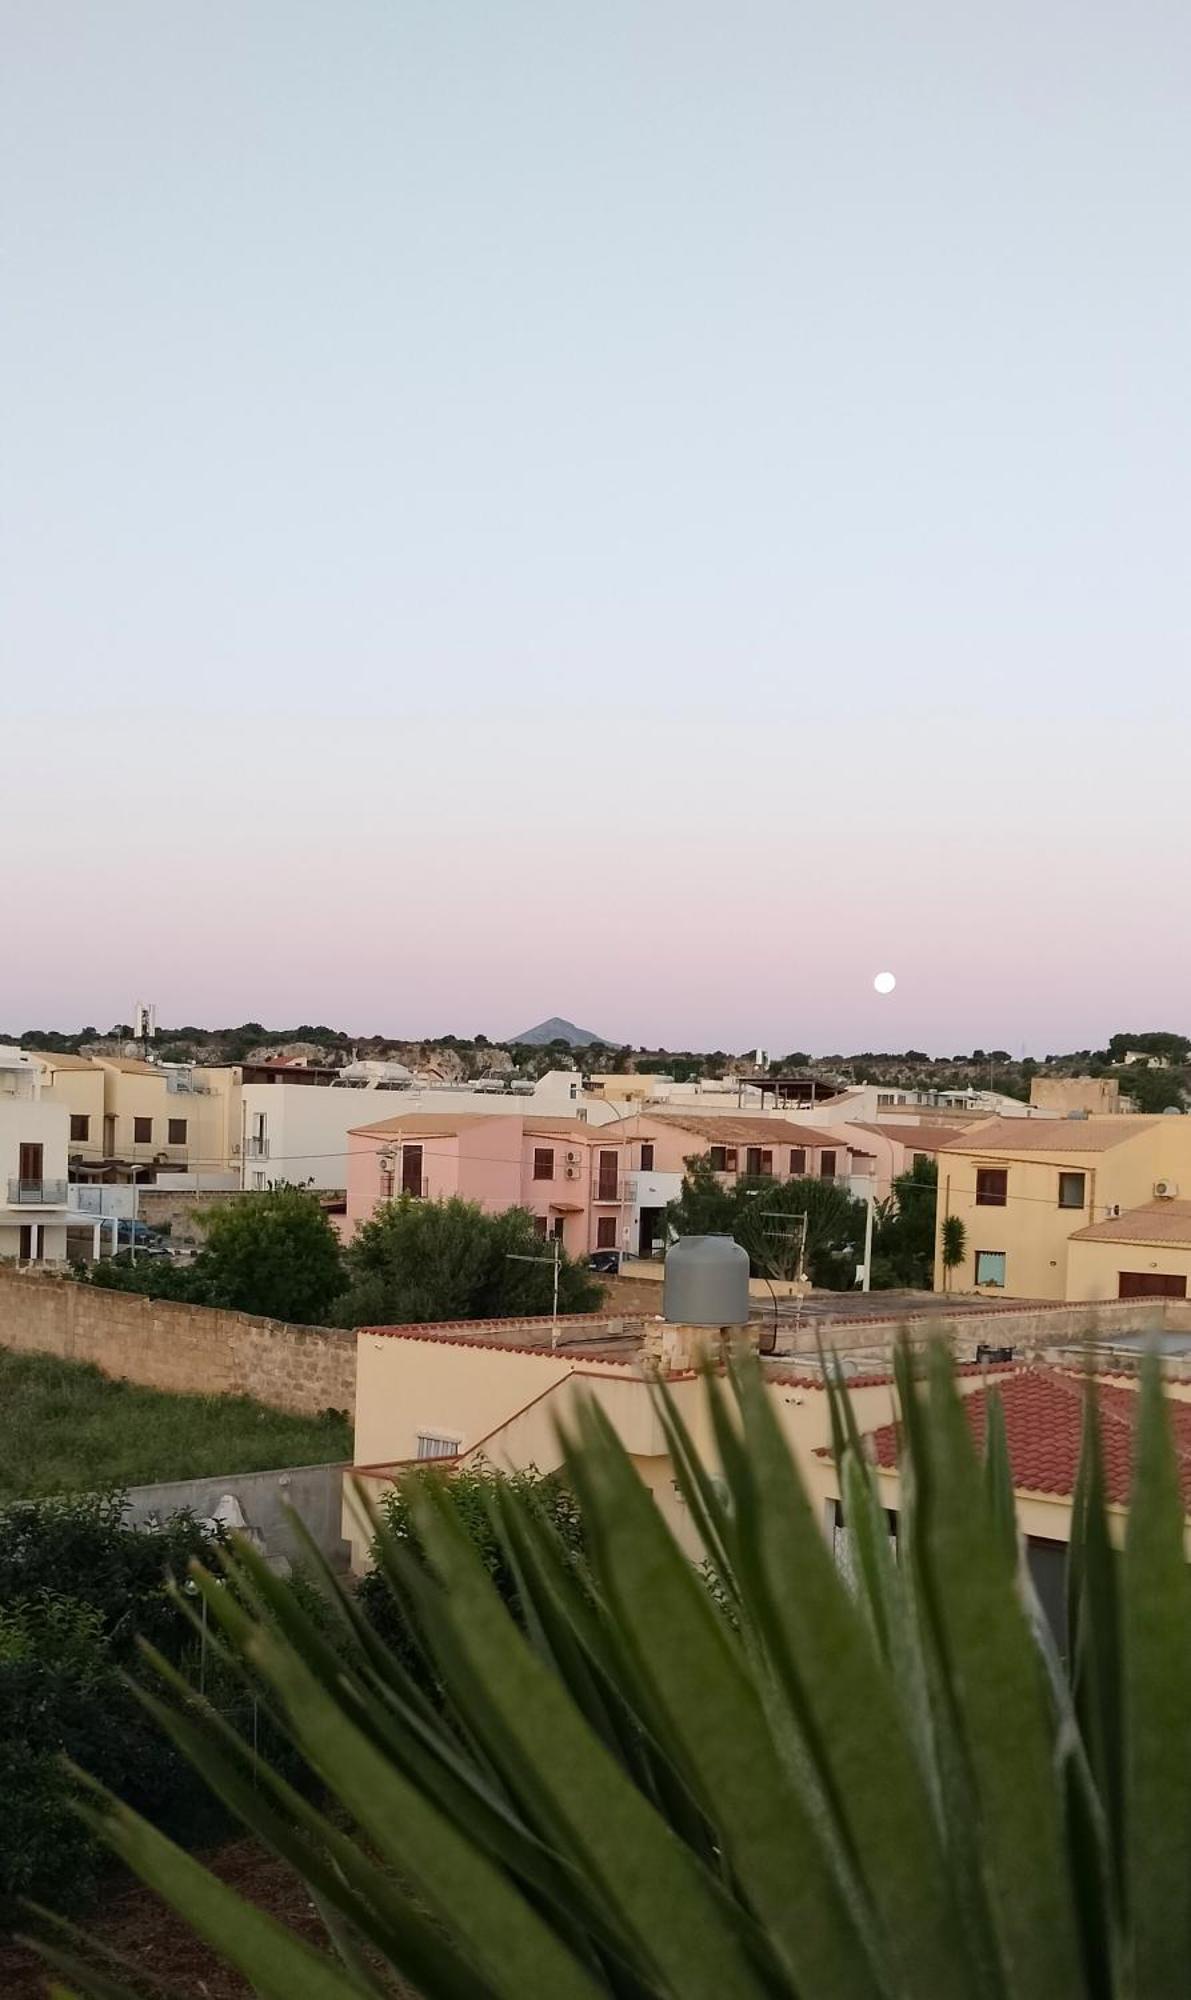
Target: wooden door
x: 32, y: 1159
x: 1150, y: 1285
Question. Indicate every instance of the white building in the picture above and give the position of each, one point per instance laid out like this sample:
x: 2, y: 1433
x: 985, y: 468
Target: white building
x: 40, y: 1222
x: 297, y: 1132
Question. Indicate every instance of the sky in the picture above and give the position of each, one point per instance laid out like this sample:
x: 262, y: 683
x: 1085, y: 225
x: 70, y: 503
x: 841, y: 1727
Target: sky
x: 649, y: 513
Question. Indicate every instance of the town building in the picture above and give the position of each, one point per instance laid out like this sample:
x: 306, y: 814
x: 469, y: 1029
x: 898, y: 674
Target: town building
x: 495, y: 1393
x: 41, y: 1221
x: 1024, y: 1189
x: 567, y: 1173
x: 132, y: 1120
x: 659, y: 1143
x: 297, y: 1133
x: 1098, y: 1096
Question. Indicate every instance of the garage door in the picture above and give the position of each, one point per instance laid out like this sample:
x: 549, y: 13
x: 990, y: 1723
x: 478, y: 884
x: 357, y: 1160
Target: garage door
x: 1150, y: 1285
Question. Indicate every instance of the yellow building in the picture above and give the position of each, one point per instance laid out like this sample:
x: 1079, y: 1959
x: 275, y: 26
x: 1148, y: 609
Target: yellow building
x: 1143, y: 1253
x: 77, y: 1083
x: 129, y: 1118
x: 1023, y: 1188
x: 495, y: 1393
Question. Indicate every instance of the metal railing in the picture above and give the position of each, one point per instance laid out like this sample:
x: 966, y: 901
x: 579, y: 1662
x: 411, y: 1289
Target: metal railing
x: 607, y: 1187
x: 36, y: 1194
x: 257, y: 1149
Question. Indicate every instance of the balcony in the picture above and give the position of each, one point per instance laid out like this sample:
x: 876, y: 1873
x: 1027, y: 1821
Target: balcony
x: 257, y: 1149
x: 36, y: 1194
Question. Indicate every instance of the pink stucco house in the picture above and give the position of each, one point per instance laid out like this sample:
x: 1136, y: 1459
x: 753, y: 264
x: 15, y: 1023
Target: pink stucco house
x: 596, y: 1187
x: 568, y: 1174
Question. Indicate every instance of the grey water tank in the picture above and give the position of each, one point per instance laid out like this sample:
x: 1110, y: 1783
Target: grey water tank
x: 706, y: 1282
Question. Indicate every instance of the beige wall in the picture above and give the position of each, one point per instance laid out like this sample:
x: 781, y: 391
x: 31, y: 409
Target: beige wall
x: 192, y: 1349
x: 1100, y: 1095
x: 1093, y: 1269
x: 1031, y: 1228
x: 81, y: 1091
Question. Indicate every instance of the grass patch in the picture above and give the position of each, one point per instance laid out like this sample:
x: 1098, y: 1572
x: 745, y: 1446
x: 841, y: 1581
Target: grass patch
x: 67, y: 1428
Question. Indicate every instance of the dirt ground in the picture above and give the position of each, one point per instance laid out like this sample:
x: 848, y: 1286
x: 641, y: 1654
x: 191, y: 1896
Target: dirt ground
x: 133, y: 1921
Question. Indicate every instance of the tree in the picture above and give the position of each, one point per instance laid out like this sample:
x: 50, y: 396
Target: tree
x: 904, y: 1236
x: 768, y: 1217
x: 415, y: 1261
x: 273, y: 1253
x: 1154, y: 1089
x: 706, y: 1206
x: 889, y: 1782
x: 1154, y: 1042
x: 76, y: 1588
x: 955, y: 1244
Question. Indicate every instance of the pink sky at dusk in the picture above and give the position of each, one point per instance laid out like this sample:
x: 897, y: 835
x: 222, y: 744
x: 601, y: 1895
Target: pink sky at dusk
x: 651, y: 516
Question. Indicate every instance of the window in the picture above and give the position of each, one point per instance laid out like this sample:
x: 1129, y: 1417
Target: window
x: 606, y: 1233
x: 31, y: 1164
x: 176, y: 1132
x: 992, y: 1184
x: 646, y: 1159
x: 827, y: 1166
x: 539, y: 1225
x: 556, y: 1227
x: 723, y: 1159
x: 411, y: 1171
x: 433, y: 1444
x: 142, y: 1131
x: 543, y: 1163
x: 1071, y: 1190
x: 990, y: 1267
x: 607, y: 1188
x: 80, y: 1125
x: 798, y: 1159
x: 758, y: 1160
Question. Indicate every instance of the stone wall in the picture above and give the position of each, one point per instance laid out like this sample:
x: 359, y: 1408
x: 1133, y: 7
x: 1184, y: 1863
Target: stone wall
x: 188, y: 1349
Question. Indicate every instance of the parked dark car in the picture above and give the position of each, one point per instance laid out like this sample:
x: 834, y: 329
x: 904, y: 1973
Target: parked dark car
x: 131, y: 1234
x: 606, y: 1262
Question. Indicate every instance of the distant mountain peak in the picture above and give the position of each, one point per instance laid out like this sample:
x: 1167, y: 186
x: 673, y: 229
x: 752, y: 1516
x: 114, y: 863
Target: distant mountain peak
x: 558, y: 1030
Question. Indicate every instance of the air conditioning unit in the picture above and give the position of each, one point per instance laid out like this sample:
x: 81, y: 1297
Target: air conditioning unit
x: 572, y: 1173
x: 1114, y: 1208
x: 1165, y: 1190
x: 572, y: 1157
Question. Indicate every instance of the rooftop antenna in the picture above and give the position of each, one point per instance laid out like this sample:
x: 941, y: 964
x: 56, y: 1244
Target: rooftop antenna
x: 144, y: 1025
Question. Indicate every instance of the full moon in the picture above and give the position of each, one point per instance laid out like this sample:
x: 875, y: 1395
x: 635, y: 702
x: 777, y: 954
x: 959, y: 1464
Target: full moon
x: 884, y: 982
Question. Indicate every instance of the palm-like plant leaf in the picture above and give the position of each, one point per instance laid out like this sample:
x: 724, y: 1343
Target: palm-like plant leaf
x: 808, y: 1785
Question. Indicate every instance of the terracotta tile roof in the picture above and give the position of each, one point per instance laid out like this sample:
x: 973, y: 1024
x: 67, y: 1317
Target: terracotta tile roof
x: 916, y: 1138
x: 1044, y: 1424
x: 1059, y: 1136
x: 1154, y: 1222
x: 431, y: 1124
x: 587, y: 1336
x: 440, y: 1124
x: 726, y: 1130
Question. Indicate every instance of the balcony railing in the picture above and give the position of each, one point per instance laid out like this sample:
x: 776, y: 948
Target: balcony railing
x: 36, y: 1194
x: 607, y: 1187
x: 257, y: 1149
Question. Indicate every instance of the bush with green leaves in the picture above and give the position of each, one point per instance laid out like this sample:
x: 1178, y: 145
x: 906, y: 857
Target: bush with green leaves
x: 883, y: 1782
x: 416, y: 1261
x: 76, y: 1588
x: 472, y: 1495
x: 273, y: 1253
x: 806, y: 1225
